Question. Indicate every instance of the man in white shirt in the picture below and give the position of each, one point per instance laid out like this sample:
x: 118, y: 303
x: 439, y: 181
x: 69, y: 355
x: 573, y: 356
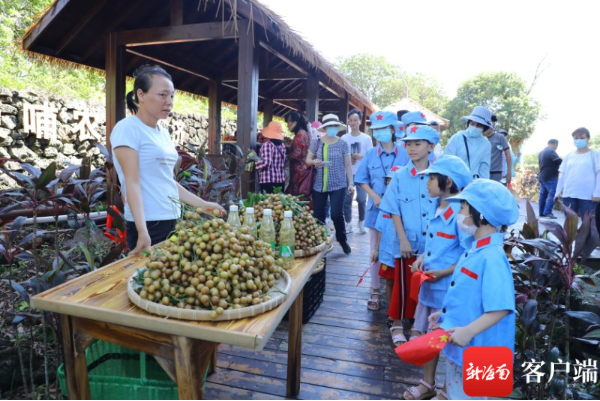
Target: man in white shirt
x: 359, y: 143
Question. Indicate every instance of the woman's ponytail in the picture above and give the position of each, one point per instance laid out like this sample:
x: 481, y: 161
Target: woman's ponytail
x: 132, y: 104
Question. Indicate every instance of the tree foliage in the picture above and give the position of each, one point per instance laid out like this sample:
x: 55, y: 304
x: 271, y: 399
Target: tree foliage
x: 595, y: 142
x: 506, y: 95
x: 384, y: 83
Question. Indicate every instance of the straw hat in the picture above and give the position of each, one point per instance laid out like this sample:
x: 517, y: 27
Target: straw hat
x: 332, y: 120
x: 273, y: 131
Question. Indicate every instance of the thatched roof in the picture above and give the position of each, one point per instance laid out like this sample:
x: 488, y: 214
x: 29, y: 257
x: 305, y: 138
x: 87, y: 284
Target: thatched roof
x: 74, y: 32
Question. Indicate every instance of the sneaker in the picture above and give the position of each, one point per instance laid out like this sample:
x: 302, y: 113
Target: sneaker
x: 361, y: 227
x: 346, y: 248
x: 349, y: 228
x: 549, y: 216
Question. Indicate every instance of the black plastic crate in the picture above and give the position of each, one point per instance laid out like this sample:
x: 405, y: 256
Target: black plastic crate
x: 313, y: 294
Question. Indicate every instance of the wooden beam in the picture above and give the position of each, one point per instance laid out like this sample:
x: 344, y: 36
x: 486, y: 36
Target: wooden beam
x: 282, y: 57
x: 83, y: 21
x: 363, y: 123
x: 268, y: 75
x: 119, y: 18
x: 214, y: 117
x: 267, y: 111
x: 247, y: 100
x: 177, y: 34
x: 312, y: 97
x: 168, y: 64
x: 176, y: 12
x: 343, y: 114
x: 34, y: 35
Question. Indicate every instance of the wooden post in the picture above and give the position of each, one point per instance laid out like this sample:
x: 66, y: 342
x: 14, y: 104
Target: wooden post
x: 363, y: 123
x: 214, y: 117
x: 115, y: 102
x: 267, y: 112
x: 247, y: 100
x: 344, y: 103
x: 312, y: 98
x: 294, y: 366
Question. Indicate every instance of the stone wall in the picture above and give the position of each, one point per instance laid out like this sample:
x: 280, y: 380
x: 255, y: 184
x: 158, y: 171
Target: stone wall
x: 39, y: 129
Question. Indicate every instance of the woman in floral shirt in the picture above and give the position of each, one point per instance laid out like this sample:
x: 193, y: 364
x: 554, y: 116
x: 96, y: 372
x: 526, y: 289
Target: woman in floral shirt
x: 300, y: 172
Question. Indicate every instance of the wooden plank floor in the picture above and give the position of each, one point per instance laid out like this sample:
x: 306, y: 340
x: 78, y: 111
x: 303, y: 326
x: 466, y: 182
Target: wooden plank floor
x: 347, y: 351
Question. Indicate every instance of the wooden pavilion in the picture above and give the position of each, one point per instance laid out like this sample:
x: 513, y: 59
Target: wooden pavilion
x: 233, y: 51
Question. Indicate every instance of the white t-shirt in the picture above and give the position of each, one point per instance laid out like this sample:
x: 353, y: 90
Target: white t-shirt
x: 156, y: 160
x: 358, y: 144
x: 580, y: 176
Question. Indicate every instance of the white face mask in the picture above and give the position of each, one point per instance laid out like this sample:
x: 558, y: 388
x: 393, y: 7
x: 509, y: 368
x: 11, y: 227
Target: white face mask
x: 460, y: 221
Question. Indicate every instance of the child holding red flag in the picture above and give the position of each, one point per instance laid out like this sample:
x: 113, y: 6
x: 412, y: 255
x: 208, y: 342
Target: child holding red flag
x: 479, y: 307
x: 447, y: 177
x: 408, y: 201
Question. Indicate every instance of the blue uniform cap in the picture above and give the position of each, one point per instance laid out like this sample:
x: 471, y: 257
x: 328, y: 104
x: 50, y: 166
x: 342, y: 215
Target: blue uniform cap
x: 453, y: 167
x: 414, y: 117
x: 423, y: 132
x: 492, y: 199
x: 383, y: 118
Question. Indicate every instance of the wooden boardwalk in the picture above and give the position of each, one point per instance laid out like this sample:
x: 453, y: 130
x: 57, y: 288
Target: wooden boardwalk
x: 347, y: 351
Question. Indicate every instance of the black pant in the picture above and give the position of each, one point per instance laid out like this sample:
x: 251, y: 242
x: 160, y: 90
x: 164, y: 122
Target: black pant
x: 336, y: 199
x: 158, y: 231
x: 269, y: 187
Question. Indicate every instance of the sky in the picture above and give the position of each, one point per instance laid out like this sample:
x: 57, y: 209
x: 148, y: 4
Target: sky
x: 454, y: 41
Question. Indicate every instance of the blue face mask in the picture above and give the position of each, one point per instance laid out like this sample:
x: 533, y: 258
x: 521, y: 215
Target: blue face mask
x: 474, y: 132
x: 332, y: 131
x: 382, y: 135
x: 580, y: 143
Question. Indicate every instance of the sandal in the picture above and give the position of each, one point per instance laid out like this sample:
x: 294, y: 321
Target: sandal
x: 414, y: 334
x: 440, y: 393
x: 413, y: 393
x: 389, y: 322
x: 398, y: 338
x: 374, y: 303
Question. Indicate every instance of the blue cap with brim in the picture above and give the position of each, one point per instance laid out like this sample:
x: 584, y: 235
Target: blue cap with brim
x: 453, y: 167
x: 383, y: 118
x: 492, y: 199
x: 414, y: 117
x: 423, y: 132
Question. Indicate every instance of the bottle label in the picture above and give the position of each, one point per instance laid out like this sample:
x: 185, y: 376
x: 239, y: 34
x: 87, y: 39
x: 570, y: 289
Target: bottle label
x: 272, y: 245
x: 286, y: 251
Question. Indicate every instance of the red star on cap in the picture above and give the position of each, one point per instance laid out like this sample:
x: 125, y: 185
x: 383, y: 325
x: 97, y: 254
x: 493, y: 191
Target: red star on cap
x: 413, y: 129
x: 422, y: 115
x: 379, y: 117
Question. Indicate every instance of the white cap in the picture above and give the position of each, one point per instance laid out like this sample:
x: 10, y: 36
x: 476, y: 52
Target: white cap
x: 249, y: 210
x: 267, y: 212
x: 233, y: 208
x: 287, y: 213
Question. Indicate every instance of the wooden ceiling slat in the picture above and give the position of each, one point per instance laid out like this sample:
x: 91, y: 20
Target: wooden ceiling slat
x: 268, y: 75
x: 33, y: 36
x: 80, y: 24
x: 176, y: 7
x: 176, y: 34
x: 168, y: 64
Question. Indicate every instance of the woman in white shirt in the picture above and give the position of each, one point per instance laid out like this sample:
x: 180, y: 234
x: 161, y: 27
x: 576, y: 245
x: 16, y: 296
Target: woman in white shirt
x: 144, y: 159
x: 579, y: 181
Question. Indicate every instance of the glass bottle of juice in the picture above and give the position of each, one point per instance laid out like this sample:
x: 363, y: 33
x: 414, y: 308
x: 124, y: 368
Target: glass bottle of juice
x: 266, y: 232
x: 250, y: 221
x: 287, y: 240
x: 234, y: 218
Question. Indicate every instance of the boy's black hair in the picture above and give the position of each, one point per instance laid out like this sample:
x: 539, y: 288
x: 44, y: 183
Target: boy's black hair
x: 357, y: 112
x: 442, y: 180
x: 478, y: 218
x: 400, y: 113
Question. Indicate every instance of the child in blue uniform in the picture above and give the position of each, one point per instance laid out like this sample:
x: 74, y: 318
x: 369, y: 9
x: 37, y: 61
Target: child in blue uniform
x: 408, y: 201
x: 371, y: 177
x: 479, y: 307
x: 447, y: 177
x: 386, y: 242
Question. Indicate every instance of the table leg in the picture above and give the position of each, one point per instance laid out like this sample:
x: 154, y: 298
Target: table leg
x: 213, y: 362
x: 191, y: 359
x: 295, y: 347
x: 76, y: 372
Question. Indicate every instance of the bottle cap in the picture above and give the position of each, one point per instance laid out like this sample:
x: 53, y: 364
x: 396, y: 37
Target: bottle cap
x: 287, y: 213
x: 249, y: 210
x: 267, y: 212
x: 233, y: 208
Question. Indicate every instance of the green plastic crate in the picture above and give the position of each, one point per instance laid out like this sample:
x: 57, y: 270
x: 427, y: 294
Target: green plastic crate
x: 118, y: 373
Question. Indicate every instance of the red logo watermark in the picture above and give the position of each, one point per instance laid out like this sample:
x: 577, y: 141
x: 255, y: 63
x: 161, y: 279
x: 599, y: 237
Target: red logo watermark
x: 488, y: 371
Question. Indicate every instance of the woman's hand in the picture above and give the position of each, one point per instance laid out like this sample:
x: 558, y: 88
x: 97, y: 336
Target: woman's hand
x: 376, y: 199
x: 433, y: 320
x: 318, y: 163
x: 406, y: 250
x: 375, y: 256
x: 211, y: 207
x: 461, y: 336
x: 351, y: 189
x: 437, y: 275
x: 595, y: 199
x: 143, y: 244
x: 417, y: 265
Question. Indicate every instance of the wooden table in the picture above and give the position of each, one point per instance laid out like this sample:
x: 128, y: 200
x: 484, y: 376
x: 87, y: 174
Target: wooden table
x: 96, y: 306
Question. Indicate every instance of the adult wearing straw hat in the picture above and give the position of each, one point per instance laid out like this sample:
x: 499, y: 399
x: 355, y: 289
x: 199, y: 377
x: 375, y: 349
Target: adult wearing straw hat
x: 471, y: 145
x: 271, y: 171
x: 330, y: 156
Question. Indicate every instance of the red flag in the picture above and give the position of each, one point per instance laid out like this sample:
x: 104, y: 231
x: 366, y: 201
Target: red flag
x: 416, y: 280
x: 424, y: 348
x: 363, y: 275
